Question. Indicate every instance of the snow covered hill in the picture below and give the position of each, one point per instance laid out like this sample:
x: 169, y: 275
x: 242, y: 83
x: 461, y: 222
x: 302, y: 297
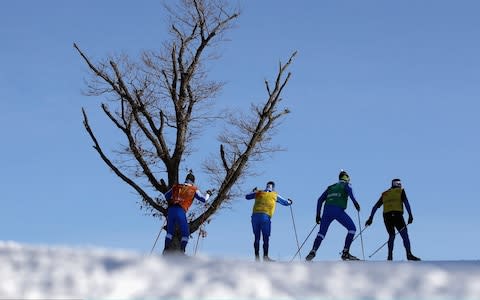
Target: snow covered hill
x: 61, y: 272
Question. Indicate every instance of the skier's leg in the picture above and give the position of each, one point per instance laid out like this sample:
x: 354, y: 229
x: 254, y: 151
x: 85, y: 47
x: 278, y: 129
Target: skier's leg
x: 406, y: 240
x: 266, y: 229
x: 400, y: 223
x: 256, y: 227
x: 347, y: 222
x: 184, y: 229
x: 389, y: 221
x: 170, y: 228
x: 402, y: 228
x: 327, y: 218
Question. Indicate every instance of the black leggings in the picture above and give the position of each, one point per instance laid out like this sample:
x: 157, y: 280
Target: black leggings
x: 394, y: 220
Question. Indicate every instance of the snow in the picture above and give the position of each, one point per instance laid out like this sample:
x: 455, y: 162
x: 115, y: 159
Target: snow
x: 48, y: 272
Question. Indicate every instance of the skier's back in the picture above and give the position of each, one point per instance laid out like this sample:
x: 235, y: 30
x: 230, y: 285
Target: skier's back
x: 335, y: 198
x: 393, y: 201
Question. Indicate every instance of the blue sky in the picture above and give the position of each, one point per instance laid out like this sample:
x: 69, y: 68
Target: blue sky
x: 382, y: 89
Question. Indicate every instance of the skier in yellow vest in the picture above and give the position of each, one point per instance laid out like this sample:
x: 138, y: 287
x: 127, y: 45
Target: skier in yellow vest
x: 263, y: 210
x: 393, y: 201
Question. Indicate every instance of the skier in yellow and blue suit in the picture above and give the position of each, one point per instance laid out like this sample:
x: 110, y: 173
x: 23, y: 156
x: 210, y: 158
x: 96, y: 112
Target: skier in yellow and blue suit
x: 335, y: 198
x: 263, y: 210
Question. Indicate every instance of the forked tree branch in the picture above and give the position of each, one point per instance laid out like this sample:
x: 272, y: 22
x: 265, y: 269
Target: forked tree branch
x: 157, y: 103
x: 116, y: 170
x: 265, y: 122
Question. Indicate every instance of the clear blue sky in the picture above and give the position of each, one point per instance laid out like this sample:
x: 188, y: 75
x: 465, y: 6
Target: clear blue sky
x: 383, y: 89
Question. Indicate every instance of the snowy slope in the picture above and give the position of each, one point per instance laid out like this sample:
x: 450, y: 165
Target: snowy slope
x: 62, y: 272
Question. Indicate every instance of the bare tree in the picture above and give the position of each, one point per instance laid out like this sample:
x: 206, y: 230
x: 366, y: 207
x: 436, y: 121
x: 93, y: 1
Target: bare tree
x: 158, y: 105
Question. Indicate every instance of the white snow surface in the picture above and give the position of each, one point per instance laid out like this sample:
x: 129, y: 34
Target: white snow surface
x: 54, y: 272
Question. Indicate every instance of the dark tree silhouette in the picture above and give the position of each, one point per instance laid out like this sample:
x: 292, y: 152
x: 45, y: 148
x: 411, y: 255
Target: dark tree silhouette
x: 158, y: 104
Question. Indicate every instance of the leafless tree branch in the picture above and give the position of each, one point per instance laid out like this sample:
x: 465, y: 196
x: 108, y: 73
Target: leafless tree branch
x: 157, y: 104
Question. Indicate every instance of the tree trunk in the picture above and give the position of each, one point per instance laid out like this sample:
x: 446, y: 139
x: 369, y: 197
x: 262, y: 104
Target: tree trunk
x: 161, y: 106
x: 176, y: 244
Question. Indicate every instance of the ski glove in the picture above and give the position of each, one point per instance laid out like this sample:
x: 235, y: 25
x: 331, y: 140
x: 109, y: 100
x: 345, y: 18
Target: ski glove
x: 254, y: 189
x: 318, y: 219
x: 369, y: 222
x: 357, y: 206
x: 290, y: 201
x: 410, y: 219
x: 209, y: 192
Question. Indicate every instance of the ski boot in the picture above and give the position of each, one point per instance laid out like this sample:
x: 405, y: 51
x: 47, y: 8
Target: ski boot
x: 390, y: 256
x: 265, y: 255
x: 267, y: 259
x: 257, y: 257
x: 347, y: 256
x: 410, y: 256
x: 310, y: 255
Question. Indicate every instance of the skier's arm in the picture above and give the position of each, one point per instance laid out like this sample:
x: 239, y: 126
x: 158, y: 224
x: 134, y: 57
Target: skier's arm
x: 349, y: 189
x: 375, y: 207
x: 320, y: 201
x: 250, y: 196
x: 168, y: 194
x: 200, y: 197
x: 283, y: 201
x: 407, y: 204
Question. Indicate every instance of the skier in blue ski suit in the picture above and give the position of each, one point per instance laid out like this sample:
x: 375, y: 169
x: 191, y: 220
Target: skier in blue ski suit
x: 263, y: 210
x: 335, y: 198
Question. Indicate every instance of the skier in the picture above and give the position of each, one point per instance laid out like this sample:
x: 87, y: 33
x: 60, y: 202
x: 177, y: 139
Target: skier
x: 336, y: 198
x: 393, y: 201
x: 180, y: 198
x: 263, y: 210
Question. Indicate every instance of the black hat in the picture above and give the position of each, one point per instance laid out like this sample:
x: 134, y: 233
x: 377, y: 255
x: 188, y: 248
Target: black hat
x: 343, y: 176
x: 396, y: 183
x: 190, y: 178
x: 272, y: 184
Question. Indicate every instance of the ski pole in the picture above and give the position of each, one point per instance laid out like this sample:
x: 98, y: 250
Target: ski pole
x: 361, y: 236
x: 296, y: 236
x: 198, y: 239
x: 358, y: 234
x: 158, y: 236
x: 304, y: 242
x: 383, y: 245
x: 207, y: 206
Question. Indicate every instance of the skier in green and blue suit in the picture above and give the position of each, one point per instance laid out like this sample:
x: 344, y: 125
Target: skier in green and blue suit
x: 335, y: 198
